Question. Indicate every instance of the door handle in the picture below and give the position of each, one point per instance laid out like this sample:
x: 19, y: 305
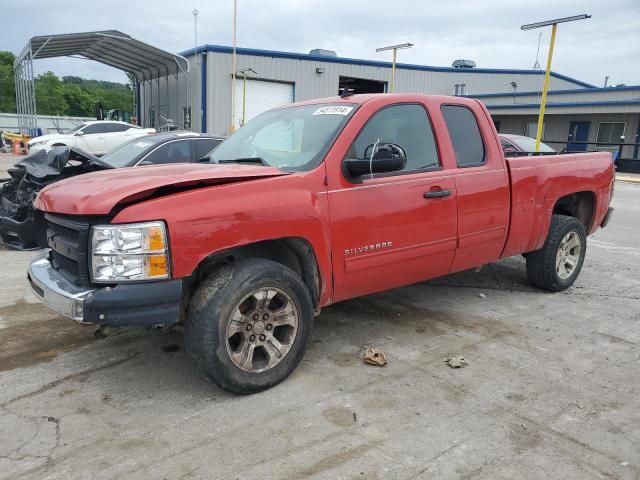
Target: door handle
x: 437, y: 193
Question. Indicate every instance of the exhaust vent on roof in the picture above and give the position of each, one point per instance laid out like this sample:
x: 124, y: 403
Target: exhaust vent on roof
x: 462, y: 63
x: 319, y: 52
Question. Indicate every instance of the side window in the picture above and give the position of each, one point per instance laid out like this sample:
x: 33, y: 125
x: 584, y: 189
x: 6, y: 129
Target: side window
x: 204, y: 146
x: 172, y: 152
x: 465, y: 135
x: 115, y: 127
x: 407, y: 126
x: 93, y: 128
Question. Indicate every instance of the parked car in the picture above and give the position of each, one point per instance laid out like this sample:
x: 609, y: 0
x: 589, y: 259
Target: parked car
x: 42, y: 168
x: 95, y: 137
x: 307, y: 205
x: 519, y: 145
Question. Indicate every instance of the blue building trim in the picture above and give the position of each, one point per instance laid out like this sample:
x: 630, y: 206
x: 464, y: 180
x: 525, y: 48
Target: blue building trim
x: 604, y: 103
x: 370, y: 63
x: 560, y: 92
x: 203, y: 93
x: 138, y: 106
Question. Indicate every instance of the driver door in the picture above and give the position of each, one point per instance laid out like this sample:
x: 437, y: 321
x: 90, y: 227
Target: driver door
x: 393, y: 229
x: 92, y: 139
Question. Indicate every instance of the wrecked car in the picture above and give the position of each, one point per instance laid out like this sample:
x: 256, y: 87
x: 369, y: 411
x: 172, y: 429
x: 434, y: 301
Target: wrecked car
x: 26, y: 179
x: 42, y: 168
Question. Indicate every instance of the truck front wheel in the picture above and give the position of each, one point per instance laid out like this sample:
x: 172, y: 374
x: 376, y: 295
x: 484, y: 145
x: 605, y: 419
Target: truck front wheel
x: 558, y: 263
x: 248, y: 325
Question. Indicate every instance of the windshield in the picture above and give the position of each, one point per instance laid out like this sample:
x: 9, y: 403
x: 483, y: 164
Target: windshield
x: 124, y: 154
x: 527, y: 144
x: 75, y: 129
x: 292, y: 138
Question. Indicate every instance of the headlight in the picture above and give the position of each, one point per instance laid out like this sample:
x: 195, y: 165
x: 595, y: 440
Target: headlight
x: 129, y: 252
x: 41, y: 142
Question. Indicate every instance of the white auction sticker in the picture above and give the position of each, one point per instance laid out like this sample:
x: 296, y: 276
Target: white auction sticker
x: 333, y: 110
x: 143, y: 144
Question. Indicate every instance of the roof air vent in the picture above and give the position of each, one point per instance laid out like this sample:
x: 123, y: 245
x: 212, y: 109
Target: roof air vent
x: 462, y: 63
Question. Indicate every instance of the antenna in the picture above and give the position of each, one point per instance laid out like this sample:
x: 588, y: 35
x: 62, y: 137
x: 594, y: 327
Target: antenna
x: 536, y: 66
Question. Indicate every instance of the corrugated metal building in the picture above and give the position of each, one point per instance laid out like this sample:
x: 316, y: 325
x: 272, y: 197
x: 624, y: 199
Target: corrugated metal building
x: 281, y: 77
x: 576, y: 119
x: 576, y: 112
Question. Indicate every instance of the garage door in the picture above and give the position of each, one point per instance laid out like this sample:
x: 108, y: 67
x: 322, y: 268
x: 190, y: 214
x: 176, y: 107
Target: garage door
x: 261, y: 96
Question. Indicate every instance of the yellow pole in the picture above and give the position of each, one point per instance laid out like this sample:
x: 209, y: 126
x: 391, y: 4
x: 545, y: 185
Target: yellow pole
x: 233, y: 68
x: 545, y: 88
x: 393, y: 71
x: 244, y: 97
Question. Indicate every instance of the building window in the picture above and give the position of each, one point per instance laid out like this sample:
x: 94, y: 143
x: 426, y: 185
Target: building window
x: 531, y: 129
x: 610, y: 132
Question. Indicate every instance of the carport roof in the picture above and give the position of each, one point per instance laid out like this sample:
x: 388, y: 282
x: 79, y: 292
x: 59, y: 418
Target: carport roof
x: 109, y: 47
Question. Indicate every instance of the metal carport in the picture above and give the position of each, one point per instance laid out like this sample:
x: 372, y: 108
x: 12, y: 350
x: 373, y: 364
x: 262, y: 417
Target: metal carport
x: 147, y: 63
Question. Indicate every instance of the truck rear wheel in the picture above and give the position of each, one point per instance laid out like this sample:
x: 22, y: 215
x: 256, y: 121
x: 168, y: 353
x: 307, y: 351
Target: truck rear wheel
x: 558, y: 263
x: 248, y: 325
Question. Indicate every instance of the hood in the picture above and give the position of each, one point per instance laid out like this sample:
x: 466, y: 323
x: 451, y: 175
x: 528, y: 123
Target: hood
x: 45, y: 138
x: 99, y: 193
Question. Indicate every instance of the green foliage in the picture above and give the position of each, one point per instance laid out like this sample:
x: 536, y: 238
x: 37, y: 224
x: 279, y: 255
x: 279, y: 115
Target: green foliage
x: 7, y: 82
x: 73, y: 96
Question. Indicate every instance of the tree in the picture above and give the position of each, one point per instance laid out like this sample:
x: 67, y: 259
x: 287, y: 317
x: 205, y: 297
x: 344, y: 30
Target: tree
x: 7, y: 82
x: 50, y: 99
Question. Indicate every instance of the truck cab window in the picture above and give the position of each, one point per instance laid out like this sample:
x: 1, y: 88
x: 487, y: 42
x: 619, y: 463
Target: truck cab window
x: 404, y: 125
x: 465, y: 135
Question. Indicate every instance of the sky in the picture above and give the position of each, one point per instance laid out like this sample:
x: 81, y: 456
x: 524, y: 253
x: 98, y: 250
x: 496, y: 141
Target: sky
x: 486, y: 31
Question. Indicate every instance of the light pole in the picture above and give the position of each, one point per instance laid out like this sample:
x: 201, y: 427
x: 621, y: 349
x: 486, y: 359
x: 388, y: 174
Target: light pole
x: 395, y: 49
x: 554, y: 26
x: 244, y: 91
x: 195, y: 13
x: 233, y: 68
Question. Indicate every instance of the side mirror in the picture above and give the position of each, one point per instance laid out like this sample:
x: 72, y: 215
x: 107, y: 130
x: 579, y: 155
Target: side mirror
x: 145, y: 162
x: 204, y: 160
x: 80, y: 133
x: 388, y: 157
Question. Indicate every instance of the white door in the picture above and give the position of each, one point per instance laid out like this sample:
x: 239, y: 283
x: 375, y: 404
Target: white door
x: 261, y: 95
x: 92, y: 139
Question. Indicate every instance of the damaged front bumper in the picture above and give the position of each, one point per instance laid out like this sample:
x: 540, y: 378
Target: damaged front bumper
x: 55, y: 291
x: 135, y: 304
x: 17, y: 234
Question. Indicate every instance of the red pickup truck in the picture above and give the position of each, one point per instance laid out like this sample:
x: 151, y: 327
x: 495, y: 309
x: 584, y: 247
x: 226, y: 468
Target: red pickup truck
x: 307, y: 205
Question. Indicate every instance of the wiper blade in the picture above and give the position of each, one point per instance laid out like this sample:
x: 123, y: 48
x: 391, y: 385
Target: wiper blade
x: 258, y: 160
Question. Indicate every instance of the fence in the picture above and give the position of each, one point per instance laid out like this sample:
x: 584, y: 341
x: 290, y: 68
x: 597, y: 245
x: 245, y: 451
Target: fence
x: 48, y: 123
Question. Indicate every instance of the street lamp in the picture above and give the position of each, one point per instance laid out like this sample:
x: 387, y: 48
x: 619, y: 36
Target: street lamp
x: 395, y: 49
x: 234, y: 66
x: 554, y: 26
x: 244, y: 91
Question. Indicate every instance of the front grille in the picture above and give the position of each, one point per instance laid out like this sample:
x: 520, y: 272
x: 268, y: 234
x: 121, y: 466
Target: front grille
x: 68, y: 239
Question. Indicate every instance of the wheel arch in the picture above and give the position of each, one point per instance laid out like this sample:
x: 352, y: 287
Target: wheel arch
x: 580, y: 205
x: 295, y: 253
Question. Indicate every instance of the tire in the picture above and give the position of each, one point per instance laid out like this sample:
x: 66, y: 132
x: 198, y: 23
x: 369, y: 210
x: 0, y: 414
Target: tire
x: 558, y: 263
x: 230, y: 345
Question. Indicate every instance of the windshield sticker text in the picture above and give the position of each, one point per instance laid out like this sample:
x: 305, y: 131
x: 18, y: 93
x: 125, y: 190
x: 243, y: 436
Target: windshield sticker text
x: 333, y: 110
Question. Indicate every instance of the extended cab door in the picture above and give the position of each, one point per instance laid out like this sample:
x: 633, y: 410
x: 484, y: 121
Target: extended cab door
x: 481, y: 182
x: 398, y: 228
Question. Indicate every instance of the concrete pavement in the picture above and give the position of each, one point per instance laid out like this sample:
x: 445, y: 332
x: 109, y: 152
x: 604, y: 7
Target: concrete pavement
x: 551, y: 389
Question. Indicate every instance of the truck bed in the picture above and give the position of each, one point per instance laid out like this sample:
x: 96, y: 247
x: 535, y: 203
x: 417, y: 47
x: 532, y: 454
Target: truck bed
x: 538, y: 182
